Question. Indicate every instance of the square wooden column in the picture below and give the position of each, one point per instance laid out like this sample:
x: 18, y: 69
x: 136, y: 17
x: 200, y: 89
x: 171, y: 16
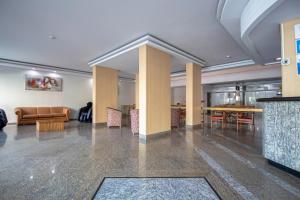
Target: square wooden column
x: 154, y: 91
x: 105, y: 92
x: 290, y: 77
x: 193, y: 95
x: 137, y: 91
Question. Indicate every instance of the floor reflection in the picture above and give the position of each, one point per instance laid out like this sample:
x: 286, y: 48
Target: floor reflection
x: 3, y: 137
x: 72, y: 163
x: 42, y: 136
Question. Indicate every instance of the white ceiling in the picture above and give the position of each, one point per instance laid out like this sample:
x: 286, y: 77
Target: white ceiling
x: 88, y: 29
x: 85, y: 30
x: 130, y: 62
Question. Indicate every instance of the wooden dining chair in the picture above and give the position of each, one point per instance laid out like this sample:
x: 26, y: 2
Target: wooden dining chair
x: 245, y: 118
x: 182, y: 116
x: 217, y: 117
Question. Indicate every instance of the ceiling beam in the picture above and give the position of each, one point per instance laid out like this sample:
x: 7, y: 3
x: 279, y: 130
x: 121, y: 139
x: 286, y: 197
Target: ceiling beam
x: 151, y: 41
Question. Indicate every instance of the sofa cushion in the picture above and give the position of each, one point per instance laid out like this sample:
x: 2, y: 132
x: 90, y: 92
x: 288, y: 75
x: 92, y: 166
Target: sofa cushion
x: 45, y: 115
x: 58, y: 114
x: 43, y: 110
x: 30, y: 116
x: 56, y: 110
x: 29, y: 110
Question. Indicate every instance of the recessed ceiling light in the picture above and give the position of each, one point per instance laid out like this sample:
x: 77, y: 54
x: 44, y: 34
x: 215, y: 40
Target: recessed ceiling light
x: 228, y: 56
x: 52, y: 37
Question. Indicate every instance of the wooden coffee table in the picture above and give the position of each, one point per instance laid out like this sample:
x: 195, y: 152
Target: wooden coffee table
x: 50, y: 125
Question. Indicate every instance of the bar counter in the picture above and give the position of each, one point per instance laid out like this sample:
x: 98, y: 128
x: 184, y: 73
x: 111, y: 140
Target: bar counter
x: 281, y: 131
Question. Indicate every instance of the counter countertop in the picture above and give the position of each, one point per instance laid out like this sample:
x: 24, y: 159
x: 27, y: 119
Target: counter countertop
x: 234, y: 109
x: 278, y: 99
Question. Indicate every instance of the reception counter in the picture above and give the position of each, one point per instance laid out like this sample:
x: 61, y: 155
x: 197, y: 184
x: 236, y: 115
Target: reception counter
x: 281, y: 131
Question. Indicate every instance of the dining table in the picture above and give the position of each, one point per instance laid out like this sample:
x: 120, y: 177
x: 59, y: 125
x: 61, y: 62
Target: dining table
x: 231, y: 111
x: 234, y: 109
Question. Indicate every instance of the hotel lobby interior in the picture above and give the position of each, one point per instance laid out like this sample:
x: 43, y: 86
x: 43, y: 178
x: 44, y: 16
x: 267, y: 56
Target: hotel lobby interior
x: 160, y: 99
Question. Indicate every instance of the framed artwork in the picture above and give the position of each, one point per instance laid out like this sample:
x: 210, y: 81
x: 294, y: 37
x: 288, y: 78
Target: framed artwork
x: 43, y: 83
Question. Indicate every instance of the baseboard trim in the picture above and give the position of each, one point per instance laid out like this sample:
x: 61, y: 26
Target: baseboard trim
x: 284, y: 168
x: 154, y: 136
x: 101, y: 124
x: 196, y: 126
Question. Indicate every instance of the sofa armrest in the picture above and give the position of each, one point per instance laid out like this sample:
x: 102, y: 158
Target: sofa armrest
x: 19, y: 113
x: 66, y: 111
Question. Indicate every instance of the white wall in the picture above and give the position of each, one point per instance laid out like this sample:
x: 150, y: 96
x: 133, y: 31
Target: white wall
x: 126, y: 92
x: 254, y: 72
x: 77, y: 91
x: 178, y: 95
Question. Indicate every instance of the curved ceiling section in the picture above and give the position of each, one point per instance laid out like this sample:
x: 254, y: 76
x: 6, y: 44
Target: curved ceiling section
x: 228, y: 14
x: 266, y: 35
x: 241, y: 19
x: 254, y: 12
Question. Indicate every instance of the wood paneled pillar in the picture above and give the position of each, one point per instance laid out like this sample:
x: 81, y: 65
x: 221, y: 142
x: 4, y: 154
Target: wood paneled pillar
x: 154, y: 91
x: 290, y: 77
x: 193, y: 95
x: 137, y: 91
x: 105, y: 92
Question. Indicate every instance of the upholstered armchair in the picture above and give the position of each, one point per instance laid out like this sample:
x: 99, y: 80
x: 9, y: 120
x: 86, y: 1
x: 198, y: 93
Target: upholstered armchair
x: 134, y: 120
x: 175, y: 117
x: 114, y: 117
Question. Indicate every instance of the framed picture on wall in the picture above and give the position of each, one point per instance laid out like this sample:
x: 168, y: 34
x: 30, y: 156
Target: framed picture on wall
x: 43, y: 83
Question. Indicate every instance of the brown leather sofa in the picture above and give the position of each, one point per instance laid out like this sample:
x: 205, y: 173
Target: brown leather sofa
x: 29, y: 115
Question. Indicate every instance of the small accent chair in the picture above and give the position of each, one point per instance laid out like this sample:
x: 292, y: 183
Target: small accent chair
x: 217, y: 117
x: 175, y: 117
x: 134, y: 120
x: 114, y: 117
x: 245, y: 118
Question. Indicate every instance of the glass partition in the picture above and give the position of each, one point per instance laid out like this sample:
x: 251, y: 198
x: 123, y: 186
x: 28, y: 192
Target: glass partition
x: 222, y: 94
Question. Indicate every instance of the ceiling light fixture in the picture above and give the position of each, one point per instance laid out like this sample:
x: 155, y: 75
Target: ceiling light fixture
x: 52, y: 37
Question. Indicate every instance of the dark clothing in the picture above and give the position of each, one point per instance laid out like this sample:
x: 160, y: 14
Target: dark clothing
x: 3, y: 119
x: 85, y: 113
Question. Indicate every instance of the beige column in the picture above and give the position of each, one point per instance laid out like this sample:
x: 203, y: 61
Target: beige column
x: 290, y: 78
x: 105, y: 92
x: 193, y: 95
x: 137, y: 91
x: 154, y: 91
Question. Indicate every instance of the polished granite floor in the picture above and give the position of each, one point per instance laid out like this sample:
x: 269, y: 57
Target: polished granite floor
x: 72, y: 164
